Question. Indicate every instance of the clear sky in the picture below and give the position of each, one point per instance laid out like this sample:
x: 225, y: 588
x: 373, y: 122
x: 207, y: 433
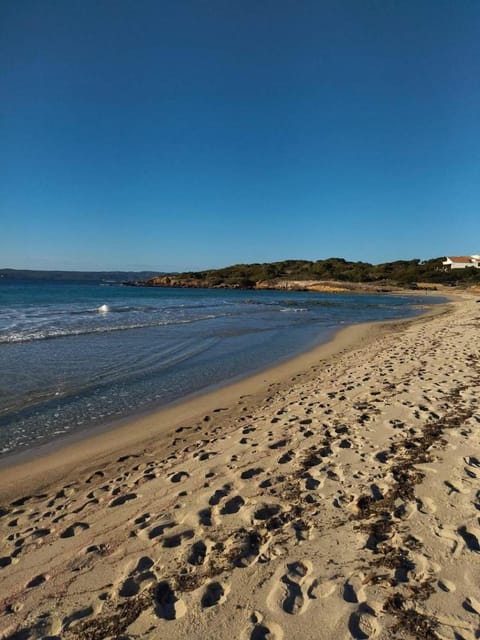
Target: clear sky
x: 177, y: 135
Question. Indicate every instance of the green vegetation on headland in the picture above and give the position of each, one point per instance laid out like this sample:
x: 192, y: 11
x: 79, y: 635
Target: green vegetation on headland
x: 331, y: 274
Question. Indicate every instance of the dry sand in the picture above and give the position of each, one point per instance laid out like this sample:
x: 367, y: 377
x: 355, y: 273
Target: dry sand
x: 336, y: 496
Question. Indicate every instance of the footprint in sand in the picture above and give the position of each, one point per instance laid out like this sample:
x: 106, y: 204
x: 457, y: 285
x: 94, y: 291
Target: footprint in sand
x: 261, y: 632
x: 245, y: 546
x: 37, y: 581
x: 220, y: 494
x: 251, y: 473
x: 426, y: 506
x: 176, y: 540
x: 95, y: 476
x: 141, y: 522
x: 206, y: 455
x: 74, y: 529
x: 138, y: 579
x: 75, y: 616
x: 470, y: 539
x: 287, y: 457
x: 321, y: 588
x: 311, y: 483
x: 205, y: 517
x: 476, y: 503
x: 262, y: 629
x: 180, y: 476
x: 302, y: 530
x: 232, y: 506
x: 289, y: 593
x: 446, y: 585
x: 197, y: 554
x: 362, y: 624
x: 279, y: 445
x: 214, y: 593
x: 266, y: 511
x: 472, y: 605
x: 117, y: 502
x: 472, y: 462
x: 160, y: 529
x: 352, y: 594
x: 5, y: 561
x: 167, y: 605
x: 451, y: 488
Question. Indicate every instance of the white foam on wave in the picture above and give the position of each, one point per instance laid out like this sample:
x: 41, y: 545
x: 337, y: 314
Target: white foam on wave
x: 48, y: 334
x: 104, y: 308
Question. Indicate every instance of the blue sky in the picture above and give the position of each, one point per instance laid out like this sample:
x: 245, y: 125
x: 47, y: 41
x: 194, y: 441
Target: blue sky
x: 186, y: 135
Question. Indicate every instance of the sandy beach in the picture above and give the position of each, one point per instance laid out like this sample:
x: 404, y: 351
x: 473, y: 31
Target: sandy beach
x: 334, y: 496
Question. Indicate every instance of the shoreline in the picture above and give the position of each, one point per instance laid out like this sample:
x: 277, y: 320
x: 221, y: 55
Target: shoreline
x: 92, y: 446
x: 334, y: 497
x: 49, y: 422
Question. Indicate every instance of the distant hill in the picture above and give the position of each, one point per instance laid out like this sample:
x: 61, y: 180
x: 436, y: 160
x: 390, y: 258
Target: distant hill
x: 80, y: 276
x: 309, y: 274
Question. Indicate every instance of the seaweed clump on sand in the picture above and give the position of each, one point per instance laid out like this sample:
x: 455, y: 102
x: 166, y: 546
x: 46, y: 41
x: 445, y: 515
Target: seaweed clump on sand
x: 379, y: 516
x: 408, y: 619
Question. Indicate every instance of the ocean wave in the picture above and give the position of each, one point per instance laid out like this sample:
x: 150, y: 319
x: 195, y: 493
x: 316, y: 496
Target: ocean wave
x: 50, y: 334
x: 107, y: 308
x: 294, y: 303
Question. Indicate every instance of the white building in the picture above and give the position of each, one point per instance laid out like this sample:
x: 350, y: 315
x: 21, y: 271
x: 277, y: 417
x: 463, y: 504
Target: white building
x: 462, y: 262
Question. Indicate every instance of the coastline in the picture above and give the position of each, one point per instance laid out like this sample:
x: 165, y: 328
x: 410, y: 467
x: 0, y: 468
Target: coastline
x: 56, y: 382
x: 33, y: 469
x: 334, y: 496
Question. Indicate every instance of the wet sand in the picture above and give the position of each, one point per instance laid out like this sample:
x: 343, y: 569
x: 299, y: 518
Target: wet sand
x: 334, y: 496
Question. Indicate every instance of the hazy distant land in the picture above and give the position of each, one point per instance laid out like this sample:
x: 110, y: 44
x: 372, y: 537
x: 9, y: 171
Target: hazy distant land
x: 86, y: 276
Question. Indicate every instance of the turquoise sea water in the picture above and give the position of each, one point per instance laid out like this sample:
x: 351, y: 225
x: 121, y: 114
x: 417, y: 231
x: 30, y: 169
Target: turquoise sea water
x: 76, y: 355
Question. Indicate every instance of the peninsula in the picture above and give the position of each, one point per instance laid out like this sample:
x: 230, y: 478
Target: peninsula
x: 331, y: 275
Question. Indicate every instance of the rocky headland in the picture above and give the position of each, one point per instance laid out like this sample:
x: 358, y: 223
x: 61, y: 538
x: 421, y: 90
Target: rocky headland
x: 335, y: 275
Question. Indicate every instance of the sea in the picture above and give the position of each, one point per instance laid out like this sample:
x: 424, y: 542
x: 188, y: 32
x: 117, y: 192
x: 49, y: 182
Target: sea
x: 76, y: 356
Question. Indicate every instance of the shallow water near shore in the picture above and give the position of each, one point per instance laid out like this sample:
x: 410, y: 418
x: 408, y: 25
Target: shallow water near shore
x: 75, y: 355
